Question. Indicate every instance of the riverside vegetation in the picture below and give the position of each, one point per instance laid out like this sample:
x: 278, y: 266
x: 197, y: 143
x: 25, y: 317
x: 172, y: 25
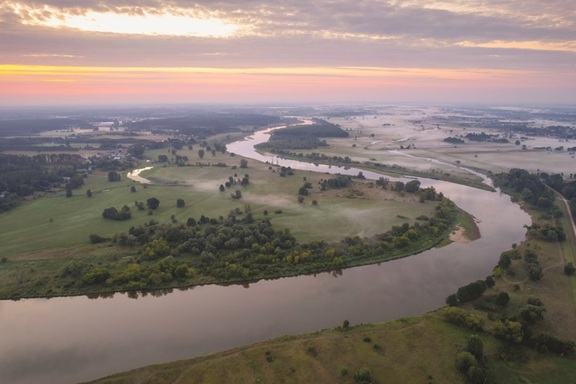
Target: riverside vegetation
x: 92, y: 239
x: 514, y: 326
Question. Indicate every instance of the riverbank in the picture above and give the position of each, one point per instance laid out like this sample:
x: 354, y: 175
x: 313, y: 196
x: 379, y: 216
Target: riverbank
x: 385, y: 351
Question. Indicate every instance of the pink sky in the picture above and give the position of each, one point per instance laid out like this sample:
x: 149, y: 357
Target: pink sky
x: 96, y: 52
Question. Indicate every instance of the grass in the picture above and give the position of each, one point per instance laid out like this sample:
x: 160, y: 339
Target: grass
x: 48, y: 233
x: 335, y: 355
x: 55, y: 223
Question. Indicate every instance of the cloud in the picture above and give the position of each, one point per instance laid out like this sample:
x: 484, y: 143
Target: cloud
x: 516, y: 35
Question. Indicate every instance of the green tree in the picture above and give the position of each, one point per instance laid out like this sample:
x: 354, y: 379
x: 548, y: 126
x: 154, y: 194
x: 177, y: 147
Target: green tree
x: 113, y: 176
x: 88, y: 193
x: 201, y: 153
x: 465, y: 360
x: 132, y: 189
x: 452, y: 300
x: 363, y: 376
x: 180, y: 203
x: 412, y: 186
x: 152, y: 203
x: 243, y: 163
x: 502, y: 299
x: 68, y: 193
x: 569, y: 269
x: 475, y: 346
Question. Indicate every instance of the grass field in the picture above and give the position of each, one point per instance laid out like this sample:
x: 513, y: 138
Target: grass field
x: 53, y: 223
x: 414, y: 350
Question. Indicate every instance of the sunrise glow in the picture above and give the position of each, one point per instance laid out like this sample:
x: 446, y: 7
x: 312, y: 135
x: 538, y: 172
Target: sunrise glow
x: 171, y: 22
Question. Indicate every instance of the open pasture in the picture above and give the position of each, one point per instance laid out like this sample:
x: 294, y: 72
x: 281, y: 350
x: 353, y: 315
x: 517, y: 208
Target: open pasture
x: 56, y: 226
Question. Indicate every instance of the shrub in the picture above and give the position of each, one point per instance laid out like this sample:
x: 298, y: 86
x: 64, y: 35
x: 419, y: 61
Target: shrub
x: 363, y: 376
x: 502, y: 299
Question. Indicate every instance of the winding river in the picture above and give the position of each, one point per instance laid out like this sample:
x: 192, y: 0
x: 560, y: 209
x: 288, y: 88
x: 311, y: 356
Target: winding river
x: 74, y: 339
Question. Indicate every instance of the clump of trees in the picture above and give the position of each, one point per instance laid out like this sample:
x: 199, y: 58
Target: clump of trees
x: 241, y: 247
x: 114, y: 214
x: 22, y: 175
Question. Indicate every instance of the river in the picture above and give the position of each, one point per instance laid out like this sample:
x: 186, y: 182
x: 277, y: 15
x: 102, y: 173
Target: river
x: 74, y: 339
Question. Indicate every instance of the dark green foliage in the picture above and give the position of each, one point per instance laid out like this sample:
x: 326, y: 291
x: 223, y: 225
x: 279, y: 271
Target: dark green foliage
x: 363, y: 376
x: 502, y: 299
x: 465, y: 360
x: 535, y: 301
x: 509, y: 331
x: 569, y: 269
x: 547, y: 232
x: 475, y: 346
x: 535, y: 272
x: 22, y: 175
x: 96, y: 275
x: 95, y: 239
x: 546, y: 343
x: 336, y: 182
x: 452, y: 300
x: 531, y: 314
x: 476, y: 375
x: 504, y: 261
x: 528, y: 185
x: 454, y: 140
x: 180, y: 203
x: 68, y: 193
x: 412, y: 186
x: 471, y: 291
x: 489, y: 281
x: 113, y: 214
x: 114, y: 176
x: 88, y: 193
x: 152, y: 203
x: 461, y: 317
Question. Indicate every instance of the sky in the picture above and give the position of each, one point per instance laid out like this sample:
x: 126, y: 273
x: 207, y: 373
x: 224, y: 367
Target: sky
x: 60, y: 52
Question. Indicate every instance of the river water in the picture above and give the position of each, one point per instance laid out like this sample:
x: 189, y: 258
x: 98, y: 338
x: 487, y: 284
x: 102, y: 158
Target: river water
x: 75, y: 339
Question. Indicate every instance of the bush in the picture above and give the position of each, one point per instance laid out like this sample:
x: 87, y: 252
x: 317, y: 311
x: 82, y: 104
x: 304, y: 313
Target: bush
x: 502, y: 299
x: 464, y: 361
x: 569, y: 269
x: 363, y: 376
x: 95, y: 239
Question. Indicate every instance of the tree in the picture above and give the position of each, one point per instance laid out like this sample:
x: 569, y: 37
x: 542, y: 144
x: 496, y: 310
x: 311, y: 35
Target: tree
x: 222, y: 188
x: 412, y: 186
x: 113, y: 176
x: 88, y: 193
x: 152, y: 203
x: 363, y: 376
x: 201, y: 153
x: 535, y: 272
x: 68, y: 193
x: 503, y: 299
x: 132, y: 189
x: 180, y: 203
x: 452, y: 300
x: 243, y: 163
x: 475, y: 346
x: 465, y: 360
x: 569, y: 269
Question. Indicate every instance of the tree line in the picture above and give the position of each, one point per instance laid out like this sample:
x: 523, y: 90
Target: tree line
x: 241, y: 247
